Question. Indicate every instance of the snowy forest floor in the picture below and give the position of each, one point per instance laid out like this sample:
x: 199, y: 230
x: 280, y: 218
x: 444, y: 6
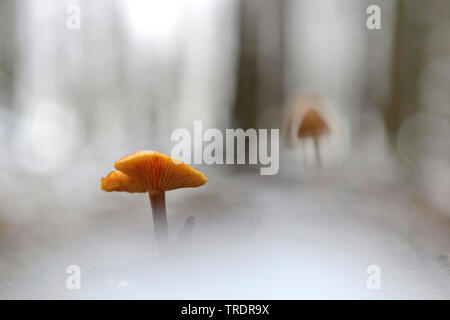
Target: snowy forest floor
x: 289, y: 236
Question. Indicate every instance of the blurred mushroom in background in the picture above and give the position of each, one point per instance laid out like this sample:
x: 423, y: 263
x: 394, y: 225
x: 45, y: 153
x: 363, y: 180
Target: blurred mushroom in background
x: 313, y: 126
x: 307, y: 119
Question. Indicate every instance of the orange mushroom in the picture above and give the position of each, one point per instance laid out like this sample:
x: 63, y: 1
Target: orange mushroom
x: 313, y: 125
x: 119, y: 181
x: 155, y: 173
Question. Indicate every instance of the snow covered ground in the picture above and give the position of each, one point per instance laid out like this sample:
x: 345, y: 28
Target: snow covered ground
x: 304, y: 233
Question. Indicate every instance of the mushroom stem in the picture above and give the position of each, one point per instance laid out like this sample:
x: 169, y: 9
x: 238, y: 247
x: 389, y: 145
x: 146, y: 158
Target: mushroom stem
x: 158, y: 203
x: 317, y: 148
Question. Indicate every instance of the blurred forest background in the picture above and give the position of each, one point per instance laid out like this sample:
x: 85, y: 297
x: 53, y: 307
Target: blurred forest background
x: 73, y: 101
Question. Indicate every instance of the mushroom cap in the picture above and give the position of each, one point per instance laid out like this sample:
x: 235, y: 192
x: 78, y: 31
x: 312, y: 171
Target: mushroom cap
x: 159, y: 172
x: 312, y: 124
x: 119, y: 181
